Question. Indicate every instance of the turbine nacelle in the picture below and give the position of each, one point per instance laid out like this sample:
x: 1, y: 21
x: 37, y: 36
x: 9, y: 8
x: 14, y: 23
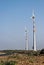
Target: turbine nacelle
x: 33, y: 15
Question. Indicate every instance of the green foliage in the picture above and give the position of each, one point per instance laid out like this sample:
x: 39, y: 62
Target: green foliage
x: 33, y: 53
x: 7, y: 63
x: 10, y: 63
x: 1, y: 64
x: 28, y: 52
x: 42, y: 51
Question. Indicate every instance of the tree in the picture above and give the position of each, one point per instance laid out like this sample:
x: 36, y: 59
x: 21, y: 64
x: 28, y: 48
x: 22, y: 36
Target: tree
x: 42, y: 51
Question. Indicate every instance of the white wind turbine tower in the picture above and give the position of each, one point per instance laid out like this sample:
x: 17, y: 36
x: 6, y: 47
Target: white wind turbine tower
x: 34, y: 32
x: 26, y: 39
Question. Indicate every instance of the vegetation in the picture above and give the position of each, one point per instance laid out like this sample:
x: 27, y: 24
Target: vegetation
x: 10, y: 63
x: 42, y: 51
x: 22, y: 57
x: 29, y: 52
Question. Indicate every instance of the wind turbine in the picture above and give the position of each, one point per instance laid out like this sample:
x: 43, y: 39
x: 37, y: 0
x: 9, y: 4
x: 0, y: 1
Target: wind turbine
x: 26, y: 38
x: 34, y: 31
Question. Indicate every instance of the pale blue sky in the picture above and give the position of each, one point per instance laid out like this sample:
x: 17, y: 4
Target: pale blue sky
x: 14, y: 15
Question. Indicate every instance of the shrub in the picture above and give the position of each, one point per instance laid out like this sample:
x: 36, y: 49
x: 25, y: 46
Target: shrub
x: 42, y: 52
x: 10, y: 63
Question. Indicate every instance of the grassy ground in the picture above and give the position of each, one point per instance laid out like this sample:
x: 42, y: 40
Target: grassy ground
x: 22, y: 59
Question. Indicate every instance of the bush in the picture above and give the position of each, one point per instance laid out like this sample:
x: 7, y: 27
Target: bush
x: 7, y: 63
x: 42, y: 51
x: 10, y: 63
